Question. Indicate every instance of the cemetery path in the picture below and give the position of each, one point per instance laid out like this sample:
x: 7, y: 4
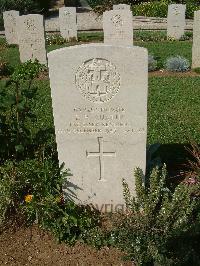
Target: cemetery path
x: 32, y: 246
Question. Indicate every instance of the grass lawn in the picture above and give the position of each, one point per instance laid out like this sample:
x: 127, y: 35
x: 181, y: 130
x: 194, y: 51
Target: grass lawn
x: 173, y: 103
x: 161, y: 49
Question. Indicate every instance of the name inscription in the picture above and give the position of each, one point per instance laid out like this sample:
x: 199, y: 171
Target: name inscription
x: 105, y: 120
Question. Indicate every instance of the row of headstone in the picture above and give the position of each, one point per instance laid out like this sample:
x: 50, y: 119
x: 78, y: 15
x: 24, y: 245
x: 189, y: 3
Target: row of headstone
x: 176, y: 28
x: 118, y: 22
x: 28, y: 32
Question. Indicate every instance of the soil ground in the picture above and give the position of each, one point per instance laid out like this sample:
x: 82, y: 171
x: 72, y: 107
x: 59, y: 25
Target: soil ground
x: 165, y: 73
x: 33, y: 246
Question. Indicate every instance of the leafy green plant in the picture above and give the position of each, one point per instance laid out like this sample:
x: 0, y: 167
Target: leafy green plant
x: 187, y: 36
x: 149, y: 35
x: 66, y: 220
x: 146, y: 8
x: 151, y: 9
x: 33, y: 188
x: 177, y: 64
x: 156, y: 219
x: 28, y: 177
x: 5, y: 69
x: 55, y: 39
x: 16, y: 110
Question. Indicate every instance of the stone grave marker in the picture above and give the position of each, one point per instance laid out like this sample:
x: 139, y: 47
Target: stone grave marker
x: 121, y: 7
x: 176, y: 21
x: 68, y: 22
x: 118, y: 27
x: 196, y: 40
x: 99, y: 96
x: 9, y: 18
x: 31, y: 38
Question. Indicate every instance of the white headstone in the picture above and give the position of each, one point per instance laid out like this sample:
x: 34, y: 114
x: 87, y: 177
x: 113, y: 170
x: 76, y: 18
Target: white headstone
x: 99, y: 95
x: 176, y: 21
x: 68, y: 22
x: 121, y: 7
x: 196, y: 40
x: 31, y: 38
x: 10, y: 26
x: 118, y: 27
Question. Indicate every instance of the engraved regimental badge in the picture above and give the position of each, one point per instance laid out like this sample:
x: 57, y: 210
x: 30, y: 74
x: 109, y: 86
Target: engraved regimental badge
x: 98, y: 80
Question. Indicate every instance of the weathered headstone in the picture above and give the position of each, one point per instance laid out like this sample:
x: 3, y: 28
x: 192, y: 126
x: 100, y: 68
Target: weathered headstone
x: 99, y: 100
x: 176, y: 21
x: 68, y: 22
x: 9, y: 18
x: 196, y: 40
x: 118, y: 27
x: 31, y: 38
x: 121, y: 7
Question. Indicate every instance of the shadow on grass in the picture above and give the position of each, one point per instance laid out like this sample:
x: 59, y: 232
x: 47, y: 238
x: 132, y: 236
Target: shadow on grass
x: 176, y: 157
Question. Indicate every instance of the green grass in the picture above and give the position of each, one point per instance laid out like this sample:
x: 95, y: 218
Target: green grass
x: 168, y: 48
x: 173, y: 102
x: 173, y: 109
x: 160, y: 49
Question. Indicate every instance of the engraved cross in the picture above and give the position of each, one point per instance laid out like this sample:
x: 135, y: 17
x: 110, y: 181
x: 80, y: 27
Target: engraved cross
x: 101, y: 154
x: 97, y: 69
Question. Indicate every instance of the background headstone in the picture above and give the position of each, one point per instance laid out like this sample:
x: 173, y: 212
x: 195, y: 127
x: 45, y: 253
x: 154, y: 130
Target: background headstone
x: 121, y: 7
x: 99, y: 95
x: 68, y: 22
x: 118, y: 27
x: 176, y: 21
x: 10, y: 26
x: 196, y: 40
x: 31, y: 38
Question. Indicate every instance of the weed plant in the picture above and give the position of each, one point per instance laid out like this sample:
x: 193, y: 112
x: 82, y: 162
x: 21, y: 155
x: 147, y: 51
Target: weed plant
x: 55, y: 39
x: 177, y: 64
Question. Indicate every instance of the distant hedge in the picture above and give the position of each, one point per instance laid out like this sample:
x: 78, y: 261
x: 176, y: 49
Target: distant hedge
x: 24, y: 6
x: 150, y: 8
x: 160, y: 8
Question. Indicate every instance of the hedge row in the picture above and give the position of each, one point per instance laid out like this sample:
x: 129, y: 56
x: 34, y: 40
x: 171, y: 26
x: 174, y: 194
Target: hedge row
x: 24, y: 6
x: 160, y: 8
x: 155, y: 8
